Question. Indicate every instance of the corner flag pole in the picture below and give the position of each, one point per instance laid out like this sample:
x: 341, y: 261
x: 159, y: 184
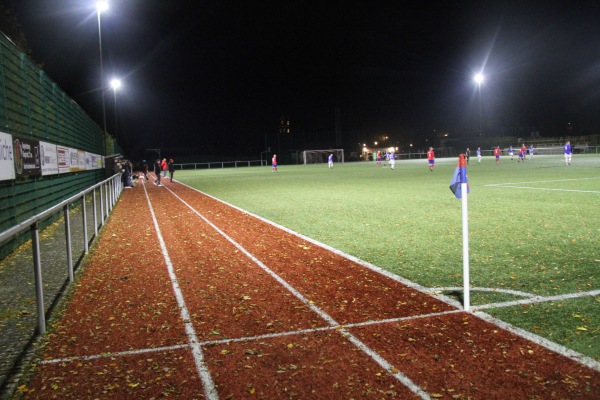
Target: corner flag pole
x: 465, y: 233
x: 460, y: 187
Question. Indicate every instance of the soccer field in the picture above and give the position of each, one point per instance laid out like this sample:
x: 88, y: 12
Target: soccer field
x: 534, y: 229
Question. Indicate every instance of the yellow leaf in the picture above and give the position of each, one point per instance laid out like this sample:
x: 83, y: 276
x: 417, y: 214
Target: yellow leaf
x: 290, y: 345
x: 23, y: 389
x: 225, y: 351
x: 133, y: 384
x: 436, y: 395
x: 581, y: 328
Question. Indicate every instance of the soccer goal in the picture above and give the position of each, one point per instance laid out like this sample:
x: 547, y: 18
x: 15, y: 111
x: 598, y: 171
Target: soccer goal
x: 321, y: 156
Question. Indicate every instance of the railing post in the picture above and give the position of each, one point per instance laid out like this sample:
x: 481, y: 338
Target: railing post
x: 101, y: 205
x: 85, y: 233
x: 37, y: 272
x: 95, y: 209
x: 68, y: 240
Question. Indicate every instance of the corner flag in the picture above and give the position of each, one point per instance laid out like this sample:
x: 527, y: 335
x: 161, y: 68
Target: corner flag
x: 460, y: 176
x: 460, y: 188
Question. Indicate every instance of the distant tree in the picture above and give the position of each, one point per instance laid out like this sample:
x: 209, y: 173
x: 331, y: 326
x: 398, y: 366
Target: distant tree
x: 11, y: 27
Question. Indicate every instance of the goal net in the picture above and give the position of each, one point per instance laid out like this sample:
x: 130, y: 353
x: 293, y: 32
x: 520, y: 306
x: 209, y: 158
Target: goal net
x: 321, y: 156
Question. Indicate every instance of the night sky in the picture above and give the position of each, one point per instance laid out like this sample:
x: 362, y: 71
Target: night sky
x: 217, y: 76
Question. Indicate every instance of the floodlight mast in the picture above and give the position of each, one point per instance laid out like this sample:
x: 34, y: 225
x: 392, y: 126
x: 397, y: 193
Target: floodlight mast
x: 478, y: 78
x: 102, y: 6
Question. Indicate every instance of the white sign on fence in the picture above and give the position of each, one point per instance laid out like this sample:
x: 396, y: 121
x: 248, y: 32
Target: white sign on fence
x: 7, y: 162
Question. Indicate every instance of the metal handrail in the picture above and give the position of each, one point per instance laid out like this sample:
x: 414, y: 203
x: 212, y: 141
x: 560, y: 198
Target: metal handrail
x: 109, y: 189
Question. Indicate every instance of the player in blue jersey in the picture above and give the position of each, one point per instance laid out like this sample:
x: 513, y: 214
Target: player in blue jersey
x: 511, y: 152
x: 330, y: 161
x: 479, y: 154
x: 530, y: 152
x: 568, y: 151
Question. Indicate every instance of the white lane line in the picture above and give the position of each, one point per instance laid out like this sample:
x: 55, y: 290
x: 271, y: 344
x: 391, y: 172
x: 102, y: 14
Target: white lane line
x: 247, y: 338
x: 209, y: 387
x: 405, y: 380
x: 116, y: 354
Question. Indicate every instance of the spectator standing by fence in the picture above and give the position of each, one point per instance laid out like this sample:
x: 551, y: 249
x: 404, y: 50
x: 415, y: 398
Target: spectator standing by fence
x: 163, y: 167
x: 171, y: 168
x: 145, y: 169
x: 157, y: 170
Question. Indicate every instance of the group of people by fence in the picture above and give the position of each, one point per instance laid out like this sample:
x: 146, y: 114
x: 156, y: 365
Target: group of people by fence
x: 159, y: 167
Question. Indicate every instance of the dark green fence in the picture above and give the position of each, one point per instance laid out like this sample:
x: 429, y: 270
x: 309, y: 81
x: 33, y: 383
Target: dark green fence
x: 34, y: 108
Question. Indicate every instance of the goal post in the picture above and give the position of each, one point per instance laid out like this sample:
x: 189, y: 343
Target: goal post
x: 321, y: 156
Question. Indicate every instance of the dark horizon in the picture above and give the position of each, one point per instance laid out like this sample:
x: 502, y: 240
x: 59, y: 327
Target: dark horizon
x: 217, y: 77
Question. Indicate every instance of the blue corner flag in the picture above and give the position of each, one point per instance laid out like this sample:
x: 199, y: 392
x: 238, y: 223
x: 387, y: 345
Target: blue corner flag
x: 460, y: 176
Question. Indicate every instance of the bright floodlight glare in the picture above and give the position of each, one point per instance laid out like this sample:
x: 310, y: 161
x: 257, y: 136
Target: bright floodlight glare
x: 101, y: 6
x: 115, y: 84
x: 478, y: 78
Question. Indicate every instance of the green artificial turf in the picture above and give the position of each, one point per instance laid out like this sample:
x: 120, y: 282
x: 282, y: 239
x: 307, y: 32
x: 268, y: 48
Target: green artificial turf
x: 534, y: 227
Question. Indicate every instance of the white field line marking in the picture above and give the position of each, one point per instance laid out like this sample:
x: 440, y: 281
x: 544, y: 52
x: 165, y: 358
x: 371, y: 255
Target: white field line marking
x: 482, y: 289
x: 247, y: 338
x: 532, y: 337
x: 571, y: 354
x: 405, y: 380
x: 207, y: 382
x: 116, y: 354
x: 550, y: 181
x: 509, y: 185
x: 548, y: 189
x: 538, y: 299
x: 531, y: 300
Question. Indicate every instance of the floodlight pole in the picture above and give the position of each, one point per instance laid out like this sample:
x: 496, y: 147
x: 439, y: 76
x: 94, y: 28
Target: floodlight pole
x: 100, y: 7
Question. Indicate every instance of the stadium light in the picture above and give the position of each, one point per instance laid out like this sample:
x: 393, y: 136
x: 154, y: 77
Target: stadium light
x: 115, y: 84
x: 478, y: 78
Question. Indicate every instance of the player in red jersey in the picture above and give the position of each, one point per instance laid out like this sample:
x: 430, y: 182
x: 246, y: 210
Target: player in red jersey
x: 274, y: 163
x: 497, y: 153
x: 431, y: 159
